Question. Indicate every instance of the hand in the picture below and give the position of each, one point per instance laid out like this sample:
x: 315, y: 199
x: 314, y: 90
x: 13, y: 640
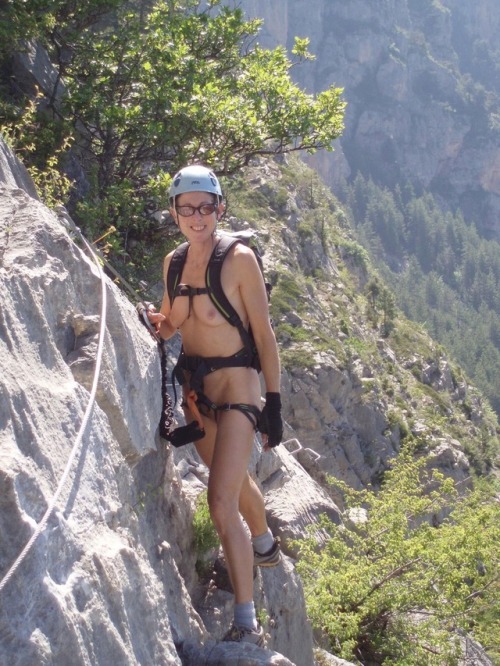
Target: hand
x: 155, y: 317
x: 150, y: 318
x: 271, y: 422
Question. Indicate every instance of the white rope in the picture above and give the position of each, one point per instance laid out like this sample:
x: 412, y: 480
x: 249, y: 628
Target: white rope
x: 100, y: 347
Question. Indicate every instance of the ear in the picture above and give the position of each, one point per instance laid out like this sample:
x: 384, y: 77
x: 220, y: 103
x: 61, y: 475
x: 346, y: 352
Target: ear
x: 173, y: 213
x: 221, y: 209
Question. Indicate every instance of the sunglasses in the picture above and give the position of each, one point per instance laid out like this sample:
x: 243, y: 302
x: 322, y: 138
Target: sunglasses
x: 204, y: 209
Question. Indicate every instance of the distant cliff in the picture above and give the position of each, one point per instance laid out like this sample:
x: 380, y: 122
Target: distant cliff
x: 422, y: 83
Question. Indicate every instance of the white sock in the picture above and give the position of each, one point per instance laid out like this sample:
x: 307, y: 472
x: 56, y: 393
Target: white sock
x: 263, y: 542
x: 244, y: 616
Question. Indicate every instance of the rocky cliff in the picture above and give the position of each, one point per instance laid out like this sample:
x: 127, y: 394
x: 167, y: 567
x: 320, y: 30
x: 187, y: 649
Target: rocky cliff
x: 421, y: 82
x: 111, y: 574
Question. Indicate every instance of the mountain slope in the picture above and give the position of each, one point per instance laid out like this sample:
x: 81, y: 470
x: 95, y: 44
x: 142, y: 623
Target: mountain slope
x: 421, y: 82
x: 358, y: 374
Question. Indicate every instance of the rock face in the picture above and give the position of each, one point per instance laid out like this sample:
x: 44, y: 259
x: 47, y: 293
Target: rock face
x: 110, y: 578
x: 91, y: 590
x: 417, y: 77
x: 13, y: 173
x: 111, y: 574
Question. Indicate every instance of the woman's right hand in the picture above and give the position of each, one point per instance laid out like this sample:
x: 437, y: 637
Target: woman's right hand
x: 150, y: 318
x: 155, y: 317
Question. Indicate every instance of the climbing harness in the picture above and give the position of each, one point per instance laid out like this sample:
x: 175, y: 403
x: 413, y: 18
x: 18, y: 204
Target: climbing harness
x: 199, y: 367
x: 251, y: 412
x: 100, y: 347
x: 191, y: 370
x: 214, y: 285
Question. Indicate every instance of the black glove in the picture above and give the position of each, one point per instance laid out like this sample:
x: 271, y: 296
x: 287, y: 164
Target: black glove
x: 271, y: 423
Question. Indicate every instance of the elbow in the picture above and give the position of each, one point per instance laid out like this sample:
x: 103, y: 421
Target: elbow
x: 266, y: 342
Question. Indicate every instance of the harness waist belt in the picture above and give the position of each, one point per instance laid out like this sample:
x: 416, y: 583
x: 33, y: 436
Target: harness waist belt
x: 200, y: 366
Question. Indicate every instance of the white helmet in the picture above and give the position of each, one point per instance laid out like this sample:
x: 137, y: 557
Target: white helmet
x: 195, y: 178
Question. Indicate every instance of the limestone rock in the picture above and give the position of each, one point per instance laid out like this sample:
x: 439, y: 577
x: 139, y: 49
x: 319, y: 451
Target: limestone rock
x: 13, y: 173
x: 327, y: 659
x: 294, y: 501
x: 33, y: 69
x: 101, y: 593
x: 279, y: 600
x: 230, y: 654
x: 328, y: 414
x: 110, y: 575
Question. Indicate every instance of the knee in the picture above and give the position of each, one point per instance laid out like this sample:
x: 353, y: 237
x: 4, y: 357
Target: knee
x: 222, y: 511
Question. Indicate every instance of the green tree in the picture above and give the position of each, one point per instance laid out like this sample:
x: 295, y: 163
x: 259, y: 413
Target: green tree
x: 380, y: 300
x: 184, y: 81
x: 421, y: 231
x: 373, y: 290
x: 446, y: 276
x: 184, y: 85
x: 52, y: 22
x: 397, y: 585
x: 386, y: 221
x: 388, y: 306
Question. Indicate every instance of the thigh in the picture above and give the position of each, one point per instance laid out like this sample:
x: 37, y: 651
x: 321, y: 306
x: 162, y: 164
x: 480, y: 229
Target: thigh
x: 206, y: 445
x: 231, y: 454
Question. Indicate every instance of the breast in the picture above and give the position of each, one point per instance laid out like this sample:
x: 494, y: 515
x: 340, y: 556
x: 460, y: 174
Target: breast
x: 179, y: 311
x: 203, y: 312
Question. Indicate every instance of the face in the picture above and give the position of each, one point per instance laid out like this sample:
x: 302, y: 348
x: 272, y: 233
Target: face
x: 202, y: 223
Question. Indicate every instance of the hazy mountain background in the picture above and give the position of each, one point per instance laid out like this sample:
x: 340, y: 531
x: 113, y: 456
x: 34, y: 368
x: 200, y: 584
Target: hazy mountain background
x: 125, y: 572
x: 418, y: 164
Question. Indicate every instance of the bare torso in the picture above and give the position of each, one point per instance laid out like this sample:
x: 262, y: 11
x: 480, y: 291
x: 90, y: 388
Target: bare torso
x: 205, y: 332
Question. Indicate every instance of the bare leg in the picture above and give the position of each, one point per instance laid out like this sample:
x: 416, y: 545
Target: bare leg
x: 252, y: 507
x: 251, y: 503
x: 228, y: 459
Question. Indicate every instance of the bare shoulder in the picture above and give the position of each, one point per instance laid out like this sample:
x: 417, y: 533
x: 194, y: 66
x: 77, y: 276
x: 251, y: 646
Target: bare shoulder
x: 166, y: 262
x: 242, y: 258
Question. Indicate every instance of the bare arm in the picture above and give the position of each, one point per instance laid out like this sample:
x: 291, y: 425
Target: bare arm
x: 161, y: 319
x: 254, y: 296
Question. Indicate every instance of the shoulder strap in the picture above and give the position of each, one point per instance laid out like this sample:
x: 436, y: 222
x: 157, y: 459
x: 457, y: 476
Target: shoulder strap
x: 175, y: 269
x: 213, y: 279
x: 219, y: 298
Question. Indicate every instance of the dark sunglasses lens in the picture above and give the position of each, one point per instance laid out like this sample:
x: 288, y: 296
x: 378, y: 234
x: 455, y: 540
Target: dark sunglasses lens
x: 204, y: 209
x: 207, y: 209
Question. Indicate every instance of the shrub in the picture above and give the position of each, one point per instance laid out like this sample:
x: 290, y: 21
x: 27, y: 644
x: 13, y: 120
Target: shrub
x: 399, y: 588
x: 205, y: 534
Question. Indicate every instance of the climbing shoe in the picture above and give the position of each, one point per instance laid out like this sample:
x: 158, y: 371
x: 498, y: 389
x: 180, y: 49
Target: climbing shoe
x: 244, y: 635
x: 269, y: 559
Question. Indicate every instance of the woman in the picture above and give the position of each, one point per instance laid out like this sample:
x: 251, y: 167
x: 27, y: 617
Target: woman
x: 228, y: 395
